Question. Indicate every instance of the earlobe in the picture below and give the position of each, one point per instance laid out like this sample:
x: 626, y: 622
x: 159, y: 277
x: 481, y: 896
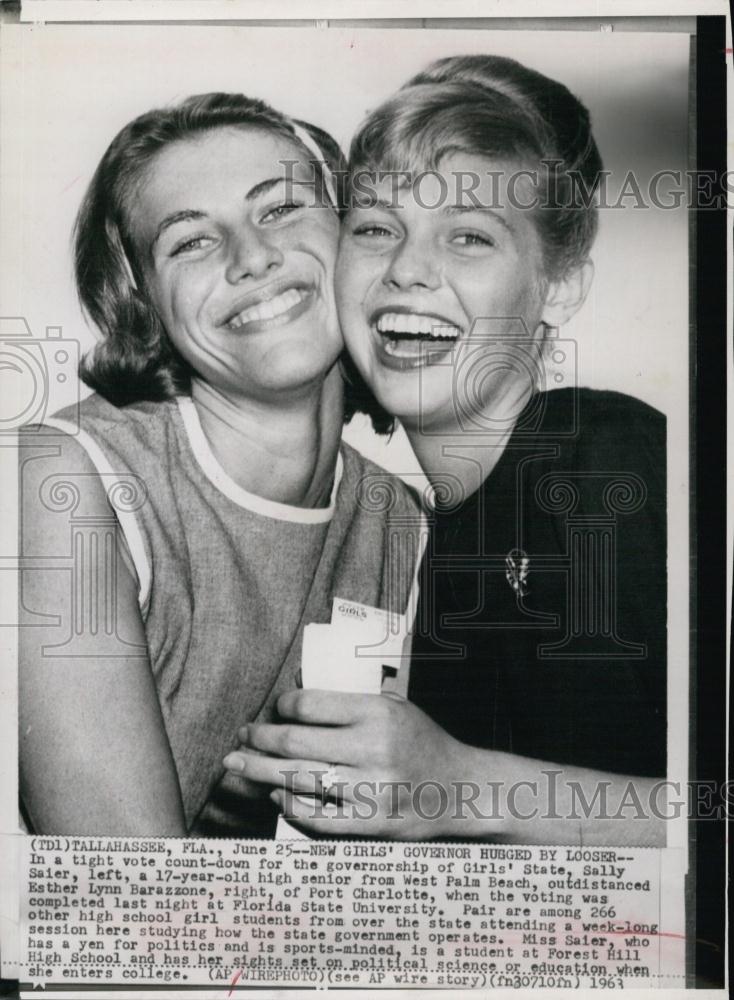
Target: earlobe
x: 567, y: 294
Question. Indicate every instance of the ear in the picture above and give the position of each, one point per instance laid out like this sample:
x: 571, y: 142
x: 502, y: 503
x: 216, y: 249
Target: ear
x: 566, y: 295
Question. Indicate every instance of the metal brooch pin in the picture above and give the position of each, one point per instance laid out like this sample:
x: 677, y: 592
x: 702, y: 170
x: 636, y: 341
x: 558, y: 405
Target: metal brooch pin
x: 517, y: 567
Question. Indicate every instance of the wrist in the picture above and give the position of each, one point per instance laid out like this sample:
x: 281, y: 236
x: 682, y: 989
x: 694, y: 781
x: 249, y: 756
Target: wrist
x: 475, y: 802
x: 499, y: 796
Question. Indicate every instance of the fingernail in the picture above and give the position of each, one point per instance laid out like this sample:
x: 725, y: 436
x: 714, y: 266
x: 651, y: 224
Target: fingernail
x: 235, y: 762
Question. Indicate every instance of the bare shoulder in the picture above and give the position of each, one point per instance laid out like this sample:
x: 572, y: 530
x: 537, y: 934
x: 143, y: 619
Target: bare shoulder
x: 58, y: 481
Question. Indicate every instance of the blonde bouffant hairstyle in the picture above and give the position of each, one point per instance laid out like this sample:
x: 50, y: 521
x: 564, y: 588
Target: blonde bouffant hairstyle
x: 495, y: 107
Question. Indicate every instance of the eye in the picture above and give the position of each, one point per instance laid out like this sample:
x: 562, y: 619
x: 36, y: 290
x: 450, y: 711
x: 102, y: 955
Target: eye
x: 280, y: 211
x: 372, y: 229
x: 474, y: 240
x: 192, y: 244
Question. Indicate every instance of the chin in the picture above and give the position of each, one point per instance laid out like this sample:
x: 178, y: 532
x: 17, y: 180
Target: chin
x: 296, y: 381
x: 398, y: 402
x: 301, y: 358
x: 410, y: 396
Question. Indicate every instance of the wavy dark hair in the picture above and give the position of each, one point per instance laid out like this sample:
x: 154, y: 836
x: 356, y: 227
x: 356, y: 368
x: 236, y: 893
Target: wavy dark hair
x: 136, y: 360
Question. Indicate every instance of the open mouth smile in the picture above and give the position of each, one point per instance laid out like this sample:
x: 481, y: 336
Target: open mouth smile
x: 413, y: 339
x: 274, y: 307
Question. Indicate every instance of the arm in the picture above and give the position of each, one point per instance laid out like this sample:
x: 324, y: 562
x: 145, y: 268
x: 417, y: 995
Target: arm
x: 405, y: 778
x: 94, y: 756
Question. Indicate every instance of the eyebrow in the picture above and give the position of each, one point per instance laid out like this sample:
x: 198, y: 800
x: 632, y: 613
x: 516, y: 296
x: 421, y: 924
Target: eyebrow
x: 185, y: 215
x: 484, y: 209
x: 450, y: 210
x: 193, y: 214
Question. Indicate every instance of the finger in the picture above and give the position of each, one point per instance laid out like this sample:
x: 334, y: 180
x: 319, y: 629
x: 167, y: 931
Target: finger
x: 275, y: 771
x: 243, y: 746
x: 396, y: 696
x: 307, y: 776
x: 305, y: 742
x: 330, y: 818
x: 239, y: 787
x: 326, y: 708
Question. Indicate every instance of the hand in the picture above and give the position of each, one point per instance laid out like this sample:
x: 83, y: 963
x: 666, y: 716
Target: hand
x: 395, y: 769
x: 402, y: 777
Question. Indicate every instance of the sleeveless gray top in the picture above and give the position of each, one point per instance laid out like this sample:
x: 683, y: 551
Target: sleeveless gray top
x: 228, y: 581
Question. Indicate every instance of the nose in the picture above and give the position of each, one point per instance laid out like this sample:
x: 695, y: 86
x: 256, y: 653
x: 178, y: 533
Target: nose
x: 252, y: 255
x: 412, y: 265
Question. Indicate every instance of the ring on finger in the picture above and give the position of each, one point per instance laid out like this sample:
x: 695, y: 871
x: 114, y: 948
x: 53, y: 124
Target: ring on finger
x: 328, y: 780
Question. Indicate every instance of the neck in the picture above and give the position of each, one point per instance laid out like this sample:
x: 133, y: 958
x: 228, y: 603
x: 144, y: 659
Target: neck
x: 284, y: 452
x: 460, y: 461
x: 457, y: 463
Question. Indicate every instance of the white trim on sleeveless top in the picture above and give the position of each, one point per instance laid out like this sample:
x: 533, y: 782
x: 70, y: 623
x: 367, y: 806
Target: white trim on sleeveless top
x: 250, y: 501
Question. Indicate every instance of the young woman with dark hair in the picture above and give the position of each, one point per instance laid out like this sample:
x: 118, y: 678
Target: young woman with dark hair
x: 212, y: 508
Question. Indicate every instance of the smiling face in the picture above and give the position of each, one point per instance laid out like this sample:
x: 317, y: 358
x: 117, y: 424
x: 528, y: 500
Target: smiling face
x: 239, y: 260
x: 423, y: 291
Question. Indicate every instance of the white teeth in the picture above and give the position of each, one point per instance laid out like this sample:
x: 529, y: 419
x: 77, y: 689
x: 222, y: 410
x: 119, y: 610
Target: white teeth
x: 399, y: 349
x: 268, y: 309
x: 415, y: 324
x: 415, y: 349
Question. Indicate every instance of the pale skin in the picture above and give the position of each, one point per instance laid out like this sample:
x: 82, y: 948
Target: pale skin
x: 457, y: 266
x: 218, y: 232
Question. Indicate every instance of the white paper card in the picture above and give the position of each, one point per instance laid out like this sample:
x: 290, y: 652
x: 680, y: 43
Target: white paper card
x: 383, y: 632
x: 331, y: 661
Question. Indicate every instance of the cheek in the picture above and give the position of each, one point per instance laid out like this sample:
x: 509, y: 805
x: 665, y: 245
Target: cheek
x: 343, y: 274
x: 186, y: 299
x: 180, y: 300
x: 355, y: 275
x: 317, y: 236
x: 351, y: 314
x: 495, y: 292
